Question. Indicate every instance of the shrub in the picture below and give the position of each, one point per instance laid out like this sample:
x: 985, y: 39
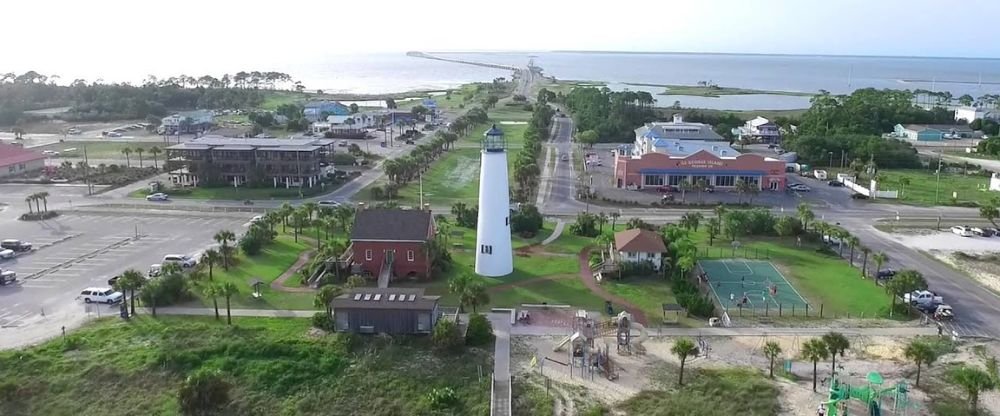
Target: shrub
x: 446, y: 336
x: 526, y: 220
x: 689, y: 297
x: 250, y: 245
x: 480, y: 331
x: 170, y: 289
x: 642, y: 268
x: 442, y: 398
x: 202, y: 393
x: 39, y: 216
x: 322, y: 321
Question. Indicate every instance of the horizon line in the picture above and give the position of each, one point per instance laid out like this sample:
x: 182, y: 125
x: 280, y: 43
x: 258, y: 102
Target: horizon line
x: 815, y: 55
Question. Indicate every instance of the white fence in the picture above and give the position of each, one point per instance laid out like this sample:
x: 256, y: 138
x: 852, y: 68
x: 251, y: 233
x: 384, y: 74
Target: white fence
x: 871, y: 192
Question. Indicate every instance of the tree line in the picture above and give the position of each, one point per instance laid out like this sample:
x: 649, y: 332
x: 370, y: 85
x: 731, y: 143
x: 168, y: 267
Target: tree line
x: 99, y: 101
x: 867, y: 111
x: 612, y: 114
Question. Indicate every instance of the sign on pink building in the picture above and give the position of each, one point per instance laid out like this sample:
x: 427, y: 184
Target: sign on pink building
x: 658, y: 169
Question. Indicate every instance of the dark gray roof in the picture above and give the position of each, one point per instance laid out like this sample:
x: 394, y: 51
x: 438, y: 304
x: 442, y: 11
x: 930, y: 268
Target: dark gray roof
x: 493, y: 131
x: 391, y: 225
x: 386, y: 299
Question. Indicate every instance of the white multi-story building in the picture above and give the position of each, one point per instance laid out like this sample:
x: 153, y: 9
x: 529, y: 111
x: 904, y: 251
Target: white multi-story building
x: 970, y: 114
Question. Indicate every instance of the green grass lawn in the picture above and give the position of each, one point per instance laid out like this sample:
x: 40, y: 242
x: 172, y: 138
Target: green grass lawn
x: 453, y: 178
x: 237, y: 194
x: 274, y: 367
x: 272, y: 99
x: 107, y: 150
x: 819, y: 277
x: 649, y: 294
x: 272, y: 261
x: 924, y: 188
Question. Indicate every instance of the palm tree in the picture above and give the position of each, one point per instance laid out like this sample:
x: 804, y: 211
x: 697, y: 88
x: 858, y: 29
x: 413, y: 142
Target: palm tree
x: 880, y: 259
x: 310, y: 208
x: 475, y: 295
x: 210, y: 258
x: 815, y: 350
x: 284, y: 212
x: 903, y: 183
x: 153, y: 290
x: 852, y: 242
x: 741, y: 188
x: 771, y: 350
x: 228, y: 290
x: 44, y: 196
x: 130, y: 281
x: 842, y: 236
x: 720, y: 210
x: 37, y: 198
x: 326, y: 295
x: 29, y: 199
x: 138, y: 151
x: 836, y: 343
x: 864, y: 265
x: 213, y: 291
x: 974, y: 381
x: 805, y: 215
x: 685, y: 186
x: 921, y: 353
x: 683, y: 348
x: 300, y: 218
x: 614, y: 219
x: 713, y: 229
x: 458, y: 286
x: 223, y: 238
x: 155, y: 151
x: 127, y: 151
x: 700, y: 185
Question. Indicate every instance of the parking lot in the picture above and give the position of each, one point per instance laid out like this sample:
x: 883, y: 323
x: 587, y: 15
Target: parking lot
x: 78, y: 250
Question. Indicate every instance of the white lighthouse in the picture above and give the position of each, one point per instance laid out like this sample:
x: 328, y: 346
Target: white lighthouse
x: 495, y: 256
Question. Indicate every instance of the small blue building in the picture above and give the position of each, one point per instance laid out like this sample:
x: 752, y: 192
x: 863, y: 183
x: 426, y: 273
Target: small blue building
x: 314, y: 110
x: 932, y: 132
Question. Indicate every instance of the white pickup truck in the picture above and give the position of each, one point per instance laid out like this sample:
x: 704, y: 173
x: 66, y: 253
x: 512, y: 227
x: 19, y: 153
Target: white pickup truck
x: 922, y: 297
x: 7, y: 277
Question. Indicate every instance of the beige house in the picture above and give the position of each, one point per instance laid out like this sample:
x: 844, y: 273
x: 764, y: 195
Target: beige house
x: 637, y: 246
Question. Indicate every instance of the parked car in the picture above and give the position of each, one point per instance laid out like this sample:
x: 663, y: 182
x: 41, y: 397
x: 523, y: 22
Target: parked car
x: 256, y: 219
x: 798, y: 187
x: 329, y: 203
x: 564, y: 158
x: 859, y: 196
x: 922, y: 297
x: 962, y: 231
x: 16, y: 245
x: 159, y: 196
x: 343, y: 143
x: 835, y: 184
x: 885, y: 274
x: 983, y: 232
x: 154, y: 270
x: 113, y: 280
x: 7, y: 277
x: 666, y: 188
x: 944, y: 313
x: 50, y: 153
x: 101, y: 295
x: 6, y: 254
x: 181, y: 259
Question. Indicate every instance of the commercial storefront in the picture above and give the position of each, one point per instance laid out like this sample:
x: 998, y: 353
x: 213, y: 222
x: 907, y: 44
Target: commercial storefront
x: 658, y: 169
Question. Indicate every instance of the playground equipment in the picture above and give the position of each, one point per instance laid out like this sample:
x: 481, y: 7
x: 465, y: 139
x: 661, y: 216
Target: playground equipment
x: 873, y: 395
x: 584, y: 355
x: 623, y: 333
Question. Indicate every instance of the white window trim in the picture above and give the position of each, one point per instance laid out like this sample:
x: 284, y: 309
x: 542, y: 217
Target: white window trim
x: 409, y: 255
x: 368, y: 255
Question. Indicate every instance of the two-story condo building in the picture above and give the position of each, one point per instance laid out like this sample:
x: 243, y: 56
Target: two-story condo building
x: 238, y: 162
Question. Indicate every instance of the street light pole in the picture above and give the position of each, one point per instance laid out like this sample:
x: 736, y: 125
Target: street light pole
x: 937, y: 186
x: 831, y: 159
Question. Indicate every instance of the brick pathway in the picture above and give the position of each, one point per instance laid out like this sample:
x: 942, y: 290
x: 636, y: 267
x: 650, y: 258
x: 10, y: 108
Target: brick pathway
x: 587, y: 277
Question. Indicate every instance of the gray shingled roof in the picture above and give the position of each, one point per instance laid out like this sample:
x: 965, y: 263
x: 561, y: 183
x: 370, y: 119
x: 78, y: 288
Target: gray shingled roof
x: 387, y: 299
x: 391, y: 225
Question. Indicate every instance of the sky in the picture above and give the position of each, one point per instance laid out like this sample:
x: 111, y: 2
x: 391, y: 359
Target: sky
x: 57, y: 36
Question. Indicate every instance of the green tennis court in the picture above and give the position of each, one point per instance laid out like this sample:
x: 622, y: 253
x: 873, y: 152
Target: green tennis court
x: 759, y: 282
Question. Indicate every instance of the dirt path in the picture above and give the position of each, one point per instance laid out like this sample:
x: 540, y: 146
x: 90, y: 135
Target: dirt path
x: 279, y: 283
x: 587, y: 277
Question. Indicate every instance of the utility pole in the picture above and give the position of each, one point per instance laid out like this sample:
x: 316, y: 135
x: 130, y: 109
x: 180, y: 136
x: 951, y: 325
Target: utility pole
x: 937, y: 186
x: 421, y: 181
x: 86, y: 171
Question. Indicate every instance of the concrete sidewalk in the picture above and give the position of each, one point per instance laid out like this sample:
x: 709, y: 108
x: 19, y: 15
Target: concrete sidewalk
x: 261, y: 313
x: 532, y: 330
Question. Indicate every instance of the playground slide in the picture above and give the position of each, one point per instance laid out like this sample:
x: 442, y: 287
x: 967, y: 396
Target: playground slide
x: 565, y: 341
x: 642, y: 332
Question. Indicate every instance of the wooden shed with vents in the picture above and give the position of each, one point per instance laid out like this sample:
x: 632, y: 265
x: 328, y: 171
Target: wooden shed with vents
x: 388, y: 310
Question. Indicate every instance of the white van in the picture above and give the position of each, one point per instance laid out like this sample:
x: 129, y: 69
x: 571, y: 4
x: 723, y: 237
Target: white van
x: 962, y: 231
x: 101, y: 295
x: 181, y: 259
x: 820, y: 174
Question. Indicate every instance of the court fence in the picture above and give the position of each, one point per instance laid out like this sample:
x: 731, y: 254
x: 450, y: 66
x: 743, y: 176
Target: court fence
x: 720, y: 252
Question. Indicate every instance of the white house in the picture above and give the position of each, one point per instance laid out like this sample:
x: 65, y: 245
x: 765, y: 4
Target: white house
x: 970, y: 114
x: 995, y: 182
x: 637, y: 246
x: 759, y: 128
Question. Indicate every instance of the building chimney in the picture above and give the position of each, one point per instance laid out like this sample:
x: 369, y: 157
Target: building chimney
x: 678, y: 118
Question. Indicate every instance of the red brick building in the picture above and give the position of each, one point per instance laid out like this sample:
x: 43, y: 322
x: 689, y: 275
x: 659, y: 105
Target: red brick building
x: 655, y: 169
x: 392, y: 241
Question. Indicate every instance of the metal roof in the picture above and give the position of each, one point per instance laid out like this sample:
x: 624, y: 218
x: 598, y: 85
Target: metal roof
x: 493, y: 131
x: 675, y: 147
x: 391, y: 225
x: 385, y: 299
